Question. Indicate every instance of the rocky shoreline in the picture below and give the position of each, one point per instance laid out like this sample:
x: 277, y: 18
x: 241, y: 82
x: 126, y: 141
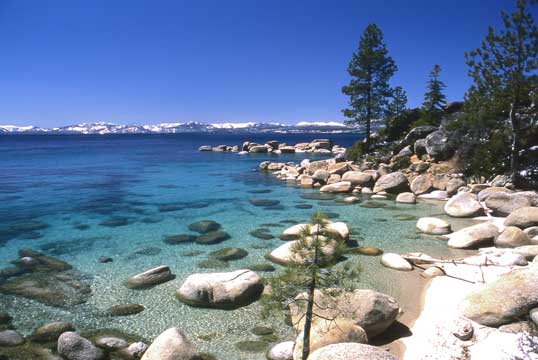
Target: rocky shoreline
x: 316, y: 146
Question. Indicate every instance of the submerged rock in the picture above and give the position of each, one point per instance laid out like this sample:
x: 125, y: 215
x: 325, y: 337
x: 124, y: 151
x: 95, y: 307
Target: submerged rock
x: 150, y: 278
x: 226, y: 290
x: 172, y: 344
x: 264, y: 202
x: 115, y: 222
x: 212, y: 237
x: 229, y: 254
x: 179, y: 239
x: 72, y: 346
x: 51, y: 331
x: 264, y: 235
x: 109, y: 343
x: 204, y: 226
x: 126, y: 309
x: 10, y: 338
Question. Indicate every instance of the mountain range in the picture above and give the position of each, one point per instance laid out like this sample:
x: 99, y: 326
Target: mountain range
x: 103, y: 128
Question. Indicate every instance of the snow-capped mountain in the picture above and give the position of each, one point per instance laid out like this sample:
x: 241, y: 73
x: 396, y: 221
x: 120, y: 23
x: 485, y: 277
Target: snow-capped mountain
x: 104, y: 128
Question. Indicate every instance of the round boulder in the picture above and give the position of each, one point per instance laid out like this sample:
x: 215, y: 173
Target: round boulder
x: 421, y: 184
x: 281, y: 351
x: 150, y: 278
x: 523, y: 218
x: 227, y: 290
x: 51, y: 331
x: 396, y: 262
x: 463, y: 204
x: 475, y: 236
x: 204, y: 226
x: 512, y: 237
x: 72, y: 346
x: 172, y: 344
x: 358, y: 178
x: 433, y: 226
x: 406, y: 198
x: 393, y: 183
x: 10, y: 338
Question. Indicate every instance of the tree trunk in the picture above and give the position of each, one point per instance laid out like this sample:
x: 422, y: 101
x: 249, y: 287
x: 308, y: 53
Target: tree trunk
x: 368, y: 121
x: 310, y: 307
x: 514, y: 149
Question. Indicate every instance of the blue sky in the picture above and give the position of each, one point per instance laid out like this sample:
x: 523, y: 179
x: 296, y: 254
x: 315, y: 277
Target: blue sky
x: 133, y: 61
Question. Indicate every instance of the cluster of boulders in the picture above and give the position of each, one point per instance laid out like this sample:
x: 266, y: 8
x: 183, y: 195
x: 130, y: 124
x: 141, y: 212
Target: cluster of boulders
x: 317, y: 146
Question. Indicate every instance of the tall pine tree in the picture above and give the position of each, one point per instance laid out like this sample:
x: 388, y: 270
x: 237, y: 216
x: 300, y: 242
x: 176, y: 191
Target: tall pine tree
x: 434, y: 99
x: 398, y: 104
x: 369, y: 91
x: 504, y: 69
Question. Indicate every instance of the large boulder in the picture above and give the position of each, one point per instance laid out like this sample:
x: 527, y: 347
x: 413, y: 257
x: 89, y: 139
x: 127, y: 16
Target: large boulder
x: 439, y: 145
x: 504, y: 300
x: 317, y: 165
x: 295, y: 231
x: 325, y: 332
x: 479, y: 235
x: 285, y: 254
x: 72, y: 346
x: 523, y: 218
x: 321, y: 175
x: 369, y: 309
x: 487, y: 192
x: 150, y: 278
x: 358, y: 178
x: 419, y: 132
x: 512, y: 237
x: 420, y: 147
x: 504, y: 203
x: 51, y: 331
x: 204, y: 226
x: 433, y: 226
x: 453, y: 185
x: 226, y: 290
x: 338, y: 187
x: 393, y: 183
x: 463, y: 204
x: 421, y: 184
x: 258, y: 149
x: 172, y: 344
x: 350, y: 351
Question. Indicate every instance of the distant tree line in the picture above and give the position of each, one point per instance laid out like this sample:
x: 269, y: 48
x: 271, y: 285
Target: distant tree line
x: 499, y: 118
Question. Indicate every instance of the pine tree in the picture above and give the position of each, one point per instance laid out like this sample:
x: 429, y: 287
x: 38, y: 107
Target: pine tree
x: 434, y: 99
x: 504, y: 73
x: 370, y: 69
x: 398, y: 104
x: 314, y: 253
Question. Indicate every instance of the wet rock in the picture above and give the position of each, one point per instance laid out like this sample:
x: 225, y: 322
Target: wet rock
x: 512, y: 237
x: 213, y: 264
x: 421, y: 184
x: 369, y: 309
x: 350, y: 351
x: 212, y: 237
x: 205, y: 148
x: 115, y: 222
x: 110, y: 344
x: 226, y: 290
x: 326, y: 332
x: 463, y: 205
x: 179, y: 239
x: 150, y: 278
x: 72, y: 346
x: 204, y: 226
x: 125, y: 309
x: 373, y: 205
x: 253, y: 346
x: 393, y: 183
x: 523, y: 218
x: 318, y: 196
x: 5, y: 318
x: 504, y: 300
x: 172, y: 344
x: 134, y: 351
x: 406, y: 198
x: 264, y: 202
x: 281, y: 351
x: 473, y: 237
x: 229, y: 254
x: 366, y: 250
x: 303, y: 206
x: 10, y: 338
x: 51, y: 332
x: 396, y: 262
x: 433, y: 226
x: 263, y: 235
x: 404, y: 217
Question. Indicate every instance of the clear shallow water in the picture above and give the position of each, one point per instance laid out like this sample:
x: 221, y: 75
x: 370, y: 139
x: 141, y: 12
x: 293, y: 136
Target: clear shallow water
x: 159, y: 184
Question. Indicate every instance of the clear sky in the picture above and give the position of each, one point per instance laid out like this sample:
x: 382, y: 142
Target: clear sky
x: 131, y: 61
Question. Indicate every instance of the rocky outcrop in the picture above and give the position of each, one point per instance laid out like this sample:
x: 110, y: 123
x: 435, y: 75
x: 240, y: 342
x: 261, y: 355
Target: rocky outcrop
x: 433, y: 226
x: 523, y: 218
x: 72, y: 346
x: 150, y: 278
x: 475, y: 236
x: 227, y: 290
x: 371, y: 310
x: 439, y: 145
x: 464, y: 204
x: 350, y: 351
x: 172, y: 344
x: 504, y: 300
x: 393, y: 183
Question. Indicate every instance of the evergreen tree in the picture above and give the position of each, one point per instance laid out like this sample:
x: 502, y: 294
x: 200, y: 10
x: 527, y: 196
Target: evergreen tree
x: 434, y: 99
x: 505, y: 85
x: 398, y: 104
x: 314, y: 254
x: 370, y: 69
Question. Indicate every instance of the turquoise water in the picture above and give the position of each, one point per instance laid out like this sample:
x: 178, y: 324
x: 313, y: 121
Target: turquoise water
x: 156, y: 186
